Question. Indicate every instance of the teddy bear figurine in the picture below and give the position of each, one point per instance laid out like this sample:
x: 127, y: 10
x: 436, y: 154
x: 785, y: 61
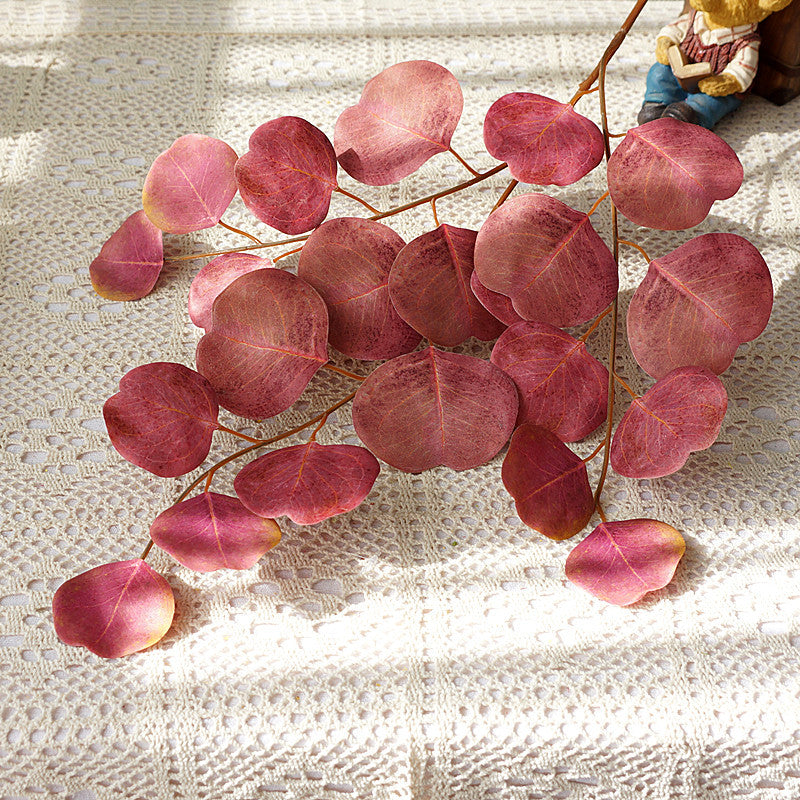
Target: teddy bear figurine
x: 720, y: 39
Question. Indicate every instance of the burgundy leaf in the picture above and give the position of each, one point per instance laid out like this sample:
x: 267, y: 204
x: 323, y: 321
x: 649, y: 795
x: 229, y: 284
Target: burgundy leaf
x: 190, y: 186
x: 682, y: 413
x: 433, y: 408
x: 214, y: 531
x: 289, y: 174
x: 162, y: 418
x: 698, y: 303
x: 620, y: 562
x: 115, y: 609
x: 498, y: 305
x: 548, y: 482
x: 561, y: 387
x: 267, y: 338
x: 406, y: 114
x: 308, y: 482
x: 216, y: 276
x: 666, y: 174
x: 130, y: 262
x: 543, y: 141
x: 548, y: 259
x: 429, y: 287
x: 347, y: 261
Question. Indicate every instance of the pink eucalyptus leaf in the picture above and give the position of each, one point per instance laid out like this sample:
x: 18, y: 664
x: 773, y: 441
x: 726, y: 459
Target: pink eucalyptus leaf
x: 216, y: 276
x: 561, y: 386
x: 214, y: 531
x: 288, y: 175
x: 698, y: 303
x: 163, y: 418
x: 268, y: 337
x: 498, y: 305
x: 620, y: 562
x: 433, y: 408
x: 190, y: 186
x: 544, y: 141
x: 115, y: 609
x: 548, y: 482
x: 430, y: 287
x: 130, y: 262
x: 347, y: 260
x: 666, y: 174
x: 548, y: 259
x: 308, y: 482
x: 681, y: 414
x: 406, y: 114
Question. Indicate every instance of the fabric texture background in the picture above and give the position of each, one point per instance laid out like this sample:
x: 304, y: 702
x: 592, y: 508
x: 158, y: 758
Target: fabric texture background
x: 426, y: 646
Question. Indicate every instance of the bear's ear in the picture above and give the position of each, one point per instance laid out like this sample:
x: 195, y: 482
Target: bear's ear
x: 771, y: 6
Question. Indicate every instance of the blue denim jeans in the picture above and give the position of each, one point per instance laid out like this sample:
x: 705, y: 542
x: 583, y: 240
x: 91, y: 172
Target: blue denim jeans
x: 662, y: 87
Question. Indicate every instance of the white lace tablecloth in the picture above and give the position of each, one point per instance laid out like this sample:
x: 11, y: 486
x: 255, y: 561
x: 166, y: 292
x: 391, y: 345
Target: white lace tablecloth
x: 426, y: 645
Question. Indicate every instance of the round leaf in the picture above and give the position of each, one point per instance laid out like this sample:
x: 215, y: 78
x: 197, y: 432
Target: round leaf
x: 666, y: 174
x: 433, y: 408
x: 698, y: 303
x: 548, y: 259
x: 682, y: 413
x: 288, y: 175
x: 190, y: 185
x: 115, y: 609
x: 214, y: 531
x: 347, y: 260
x: 130, y: 262
x: 162, y: 418
x: 429, y: 286
x: 216, y: 276
x: 498, y: 305
x: 267, y: 338
x: 308, y: 482
x: 543, y: 141
x: 548, y: 482
x: 406, y: 114
x: 620, y: 562
x: 561, y: 387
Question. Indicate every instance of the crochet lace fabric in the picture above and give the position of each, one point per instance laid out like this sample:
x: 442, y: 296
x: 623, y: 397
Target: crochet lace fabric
x: 427, y: 645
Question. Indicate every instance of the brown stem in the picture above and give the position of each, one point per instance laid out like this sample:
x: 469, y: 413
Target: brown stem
x: 287, y: 253
x: 597, y: 203
x: 357, y: 199
x: 638, y: 247
x: 313, y: 437
x: 594, y: 452
x: 243, y: 233
x: 261, y: 246
x: 626, y: 387
x: 506, y: 194
x: 595, y: 324
x: 463, y: 161
x: 435, y: 215
x: 612, y: 48
x: 344, y: 372
x: 240, y: 435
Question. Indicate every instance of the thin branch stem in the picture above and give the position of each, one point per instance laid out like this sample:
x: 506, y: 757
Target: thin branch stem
x: 344, y: 372
x: 243, y: 233
x: 464, y: 162
x: 287, y: 253
x: 597, y: 203
x: 638, y: 247
x: 595, y: 324
x: 146, y: 551
x: 240, y: 435
x: 626, y: 387
x: 599, y: 506
x: 594, y: 452
x: 435, y: 215
x: 357, y: 199
x: 261, y: 246
x: 506, y: 194
x: 313, y: 437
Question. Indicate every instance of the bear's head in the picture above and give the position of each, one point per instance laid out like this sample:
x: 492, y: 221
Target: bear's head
x: 730, y: 13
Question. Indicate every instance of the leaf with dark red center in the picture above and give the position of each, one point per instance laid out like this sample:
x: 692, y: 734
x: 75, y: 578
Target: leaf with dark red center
x: 406, y: 114
x: 666, y: 174
x: 115, y: 609
x: 130, y: 262
x: 561, y: 387
x: 698, y: 303
x: 162, y: 418
x: 214, y: 531
x: 288, y: 175
x: 216, y: 276
x: 548, y: 482
x: 190, y: 186
x: 433, y: 408
x: 681, y: 414
x: 347, y: 261
x: 429, y: 287
x: 498, y: 305
x: 268, y: 337
x: 620, y: 562
x: 308, y: 482
x: 548, y: 259
x: 543, y: 141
